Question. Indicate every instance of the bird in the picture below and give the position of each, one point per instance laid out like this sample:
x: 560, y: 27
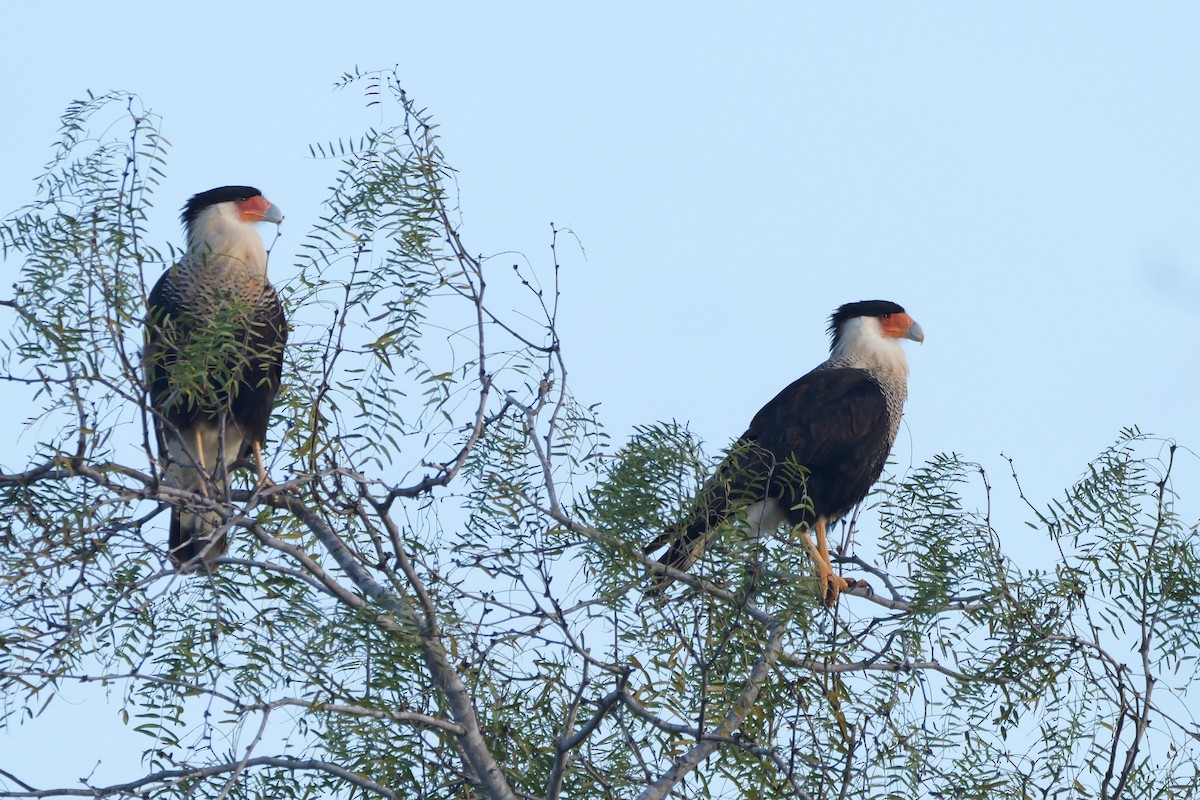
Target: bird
x: 213, y: 360
x: 813, y: 452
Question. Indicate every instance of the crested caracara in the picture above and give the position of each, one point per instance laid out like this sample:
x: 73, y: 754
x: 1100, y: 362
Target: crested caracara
x: 215, y: 333
x: 813, y: 452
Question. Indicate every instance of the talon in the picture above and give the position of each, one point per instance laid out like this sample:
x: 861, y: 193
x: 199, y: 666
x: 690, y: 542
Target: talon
x: 837, y: 584
x: 834, y: 585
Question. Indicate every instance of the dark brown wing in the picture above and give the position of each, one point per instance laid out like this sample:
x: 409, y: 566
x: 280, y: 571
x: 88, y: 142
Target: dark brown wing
x: 263, y: 368
x: 162, y: 311
x: 834, y: 423
x: 816, y: 448
x: 245, y: 384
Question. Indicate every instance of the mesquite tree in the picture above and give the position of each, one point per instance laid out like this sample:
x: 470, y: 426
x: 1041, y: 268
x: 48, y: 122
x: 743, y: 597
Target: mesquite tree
x: 440, y: 592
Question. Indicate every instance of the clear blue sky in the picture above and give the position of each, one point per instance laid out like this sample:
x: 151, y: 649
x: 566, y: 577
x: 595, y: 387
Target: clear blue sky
x: 1023, y: 177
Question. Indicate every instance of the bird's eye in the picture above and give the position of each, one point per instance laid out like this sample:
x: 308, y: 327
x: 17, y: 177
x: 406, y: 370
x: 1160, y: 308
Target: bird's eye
x: 886, y: 316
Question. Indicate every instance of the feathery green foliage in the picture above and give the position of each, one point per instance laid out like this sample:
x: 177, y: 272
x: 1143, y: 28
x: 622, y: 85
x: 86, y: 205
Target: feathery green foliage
x: 442, y: 593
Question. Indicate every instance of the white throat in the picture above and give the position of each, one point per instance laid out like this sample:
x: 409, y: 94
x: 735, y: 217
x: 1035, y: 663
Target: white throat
x: 862, y: 344
x: 220, y: 229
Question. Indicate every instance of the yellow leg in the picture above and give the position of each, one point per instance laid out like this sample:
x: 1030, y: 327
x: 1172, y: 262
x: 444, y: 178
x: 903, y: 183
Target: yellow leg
x: 830, y: 584
x: 199, y: 436
x: 259, y: 466
x: 808, y: 542
x: 202, y: 472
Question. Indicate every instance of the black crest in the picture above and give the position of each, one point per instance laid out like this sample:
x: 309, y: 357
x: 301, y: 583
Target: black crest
x: 222, y: 194
x: 863, y: 308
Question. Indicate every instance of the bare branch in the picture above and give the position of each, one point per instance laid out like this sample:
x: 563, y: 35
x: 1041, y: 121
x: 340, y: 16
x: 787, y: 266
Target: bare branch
x: 170, y: 778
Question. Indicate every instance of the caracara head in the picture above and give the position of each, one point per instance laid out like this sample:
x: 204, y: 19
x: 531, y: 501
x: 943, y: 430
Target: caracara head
x: 868, y: 334
x: 217, y: 214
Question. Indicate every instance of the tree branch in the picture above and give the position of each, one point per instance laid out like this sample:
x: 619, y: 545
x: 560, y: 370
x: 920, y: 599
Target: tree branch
x: 688, y: 762
x: 445, y: 678
x: 172, y: 777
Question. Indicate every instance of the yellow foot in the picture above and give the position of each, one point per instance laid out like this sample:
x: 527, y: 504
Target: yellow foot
x: 836, y: 584
x: 833, y: 585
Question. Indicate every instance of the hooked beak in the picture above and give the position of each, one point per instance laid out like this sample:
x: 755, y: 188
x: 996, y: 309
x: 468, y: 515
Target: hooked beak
x: 273, y: 214
x: 915, y: 333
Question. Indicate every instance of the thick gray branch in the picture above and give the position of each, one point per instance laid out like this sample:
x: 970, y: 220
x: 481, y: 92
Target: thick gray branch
x: 405, y: 621
x: 688, y: 762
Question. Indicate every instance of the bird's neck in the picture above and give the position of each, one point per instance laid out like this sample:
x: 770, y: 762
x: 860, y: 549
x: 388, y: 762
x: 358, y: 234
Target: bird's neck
x: 884, y: 360
x: 862, y: 347
x: 237, y: 242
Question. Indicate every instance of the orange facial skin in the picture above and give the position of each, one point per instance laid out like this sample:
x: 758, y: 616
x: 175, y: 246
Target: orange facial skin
x: 901, y: 326
x: 259, y: 209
